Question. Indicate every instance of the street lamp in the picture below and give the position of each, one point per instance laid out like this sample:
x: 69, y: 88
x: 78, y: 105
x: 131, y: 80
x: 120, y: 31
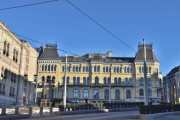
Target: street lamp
x: 35, y: 80
x: 65, y: 83
x: 145, y: 75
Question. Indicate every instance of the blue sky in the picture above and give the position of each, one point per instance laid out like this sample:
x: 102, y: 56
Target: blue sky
x: 157, y: 21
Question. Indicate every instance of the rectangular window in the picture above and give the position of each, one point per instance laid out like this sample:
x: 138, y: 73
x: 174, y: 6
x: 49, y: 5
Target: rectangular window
x: 106, y: 94
x: 74, y: 80
x: 96, y: 94
x: 85, y: 93
x: 84, y: 69
x: 3, y: 89
x: 87, y: 69
x: 11, y: 92
x: 104, y: 69
x: 78, y: 80
x: 63, y: 68
x: 76, y: 93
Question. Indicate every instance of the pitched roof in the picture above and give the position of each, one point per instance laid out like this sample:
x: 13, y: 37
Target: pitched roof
x: 150, y: 55
x: 49, y: 52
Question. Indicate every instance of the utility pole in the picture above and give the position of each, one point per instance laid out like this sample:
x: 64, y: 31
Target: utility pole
x: 145, y: 75
x: 65, y: 83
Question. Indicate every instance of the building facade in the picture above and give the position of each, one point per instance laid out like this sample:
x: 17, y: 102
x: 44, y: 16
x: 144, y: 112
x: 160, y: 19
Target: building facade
x: 172, y: 86
x: 98, y: 76
x: 18, y: 67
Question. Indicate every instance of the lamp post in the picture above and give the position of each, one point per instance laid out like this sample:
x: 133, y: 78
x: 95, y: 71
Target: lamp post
x: 65, y: 84
x: 35, y: 80
x: 145, y: 75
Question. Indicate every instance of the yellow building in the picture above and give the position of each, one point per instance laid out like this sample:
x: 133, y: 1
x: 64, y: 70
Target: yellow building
x: 18, y: 67
x: 98, y: 76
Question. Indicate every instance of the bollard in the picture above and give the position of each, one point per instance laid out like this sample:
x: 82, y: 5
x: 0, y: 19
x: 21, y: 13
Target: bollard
x: 16, y: 110
x: 30, y: 111
x: 3, y: 111
x: 41, y: 111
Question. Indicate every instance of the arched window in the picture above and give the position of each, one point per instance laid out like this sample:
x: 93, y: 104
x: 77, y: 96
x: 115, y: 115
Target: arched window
x: 98, y: 68
x: 141, y: 92
x: 115, y: 70
x: 105, y: 80
x: 4, y: 48
x: 87, y: 69
x: 128, y: 94
x: 115, y: 81
x: 77, y: 69
x: 45, y: 67
x: 78, y: 80
x: 128, y: 70
x: 107, y: 69
x: 43, y: 79
x: 6, y: 72
x: 85, y: 81
x: 84, y: 69
x: 140, y: 69
x: 53, y: 79
x: 74, y: 68
x: 48, y: 79
x: 42, y: 67
x: 95, y: 70
x: 74, y: 80
x: 96, y: 80
x: 149, y: 69
x: 2, y: 72
x: 126, y: 81
x: 125, y: 69
x: 49, y: 67
x: 120, y: 69
x: 67, y: 80
x: 7, y: 52
x: 52, y: 67
x: 109, y: 80
x: 55, y: 67
x: 119, y: 81
x: 104, y: 69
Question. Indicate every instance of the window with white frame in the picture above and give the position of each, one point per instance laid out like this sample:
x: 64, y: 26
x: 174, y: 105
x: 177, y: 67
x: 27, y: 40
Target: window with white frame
x: 76, y: 93
x: 85, y: 93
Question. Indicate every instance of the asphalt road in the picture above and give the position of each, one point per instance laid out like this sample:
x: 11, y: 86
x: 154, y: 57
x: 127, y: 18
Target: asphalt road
x: 169, y: 117
x: 128, y: 115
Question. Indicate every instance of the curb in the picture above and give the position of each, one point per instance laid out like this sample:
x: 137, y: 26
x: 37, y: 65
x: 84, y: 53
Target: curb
x: 157, y: 115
